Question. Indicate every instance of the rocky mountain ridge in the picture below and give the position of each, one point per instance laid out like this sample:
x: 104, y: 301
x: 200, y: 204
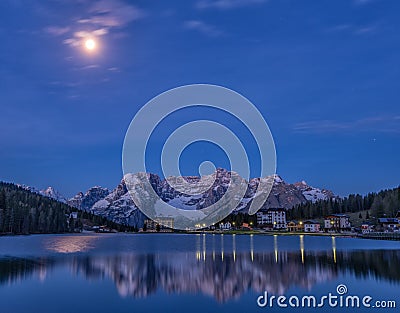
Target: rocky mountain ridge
x: 118, y: 206
x: 49, y: 192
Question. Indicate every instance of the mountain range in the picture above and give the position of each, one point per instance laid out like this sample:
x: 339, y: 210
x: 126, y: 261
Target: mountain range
x: 118, y: 206
x: 49, y: 192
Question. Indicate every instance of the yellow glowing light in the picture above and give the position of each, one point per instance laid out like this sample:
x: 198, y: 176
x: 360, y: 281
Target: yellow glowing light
x: 90, y: 44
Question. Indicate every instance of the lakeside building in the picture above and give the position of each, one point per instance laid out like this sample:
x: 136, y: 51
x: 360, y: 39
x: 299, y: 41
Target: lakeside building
x: 272, y: 219
x: 225, y: 226
x: 389, y: 224
x: 308, y: 226
x: 295, y: 226
x: 311, y: 227
x: 247, y: 226
x: 367, y: 228
x: 337, y: 223
x: 160, y: 224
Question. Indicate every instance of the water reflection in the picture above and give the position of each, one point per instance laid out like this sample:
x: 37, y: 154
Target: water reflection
x: 70, y: 244
x: 14, y: 270
x: 302, y: 248
x: 334, y: 248
x: 225, y: 276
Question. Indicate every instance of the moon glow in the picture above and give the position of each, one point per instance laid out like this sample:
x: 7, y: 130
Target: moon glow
x: 90, y: 44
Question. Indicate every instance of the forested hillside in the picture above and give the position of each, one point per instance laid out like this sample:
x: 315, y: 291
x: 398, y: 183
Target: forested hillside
x: 25, y: 212
x: 384, y: 203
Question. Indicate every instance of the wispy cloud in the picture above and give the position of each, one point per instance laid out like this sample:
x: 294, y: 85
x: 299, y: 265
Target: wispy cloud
x: 203, y: 28
x: 365, y: 30
x: 382, y: 124
x: 339, y: 28
x: 57, y: 30
x: 114, y: 69
x: 89, y: 67
x: 353, y: 29
x: 226, y: 4
x: 97, y: 18
x: 111, y: 13
x: 78, y: 36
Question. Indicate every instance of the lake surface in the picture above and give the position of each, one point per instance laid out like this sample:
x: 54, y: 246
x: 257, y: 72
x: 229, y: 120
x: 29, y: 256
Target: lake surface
x: 118, y: 273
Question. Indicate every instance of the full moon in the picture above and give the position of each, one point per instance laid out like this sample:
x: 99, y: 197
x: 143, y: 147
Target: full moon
x: 90, y: 44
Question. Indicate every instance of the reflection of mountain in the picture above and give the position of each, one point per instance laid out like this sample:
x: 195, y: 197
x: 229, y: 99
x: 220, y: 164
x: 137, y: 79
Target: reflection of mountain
x: 221, y: 275
x: 19, y: 269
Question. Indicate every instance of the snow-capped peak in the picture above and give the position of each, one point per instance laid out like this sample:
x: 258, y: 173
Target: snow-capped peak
x: 278, y: 180
x: 84, y: 201
x: 50, y: 192
x: 314, y: 194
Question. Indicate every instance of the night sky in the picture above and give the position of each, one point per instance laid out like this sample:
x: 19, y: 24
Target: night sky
x: 325, y: 75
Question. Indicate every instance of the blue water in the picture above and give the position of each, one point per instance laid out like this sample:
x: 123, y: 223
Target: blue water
x: 189, y: 273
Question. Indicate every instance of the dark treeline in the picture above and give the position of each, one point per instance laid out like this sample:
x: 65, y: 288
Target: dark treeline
x: 26, y: 212
x: 237, y: 219
x: 101, y: 220
x: 385, y: 203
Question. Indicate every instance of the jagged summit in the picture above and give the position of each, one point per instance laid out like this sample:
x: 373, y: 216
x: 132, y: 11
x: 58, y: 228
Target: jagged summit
x: 118, y: 206
x: 314, y: 194
x: 49, y: 192
x: 86, y: 201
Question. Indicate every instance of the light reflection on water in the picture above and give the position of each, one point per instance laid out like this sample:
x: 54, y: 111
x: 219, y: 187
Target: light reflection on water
x: 70, y: 244
x: 214, y: 267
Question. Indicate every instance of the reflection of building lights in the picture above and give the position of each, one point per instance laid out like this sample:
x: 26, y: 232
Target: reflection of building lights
x: 204, y: 247
x: 222, y: 247
x: 334, y: 248
x: 213, y: 246
x: 198, y: 247
x: 276, y: 248
x: 251, y: 248
x: 234, y: 247
x: 302, y: 248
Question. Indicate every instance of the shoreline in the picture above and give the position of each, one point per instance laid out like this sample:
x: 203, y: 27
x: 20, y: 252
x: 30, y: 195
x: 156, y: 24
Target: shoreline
x: 371, y: 236
x: 231, y: 232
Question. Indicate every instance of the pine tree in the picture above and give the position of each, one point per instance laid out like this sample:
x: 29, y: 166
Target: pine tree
x: 2, y: 209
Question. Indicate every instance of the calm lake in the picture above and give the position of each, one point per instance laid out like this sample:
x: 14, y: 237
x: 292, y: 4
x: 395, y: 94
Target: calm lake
x: 116, y: 273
